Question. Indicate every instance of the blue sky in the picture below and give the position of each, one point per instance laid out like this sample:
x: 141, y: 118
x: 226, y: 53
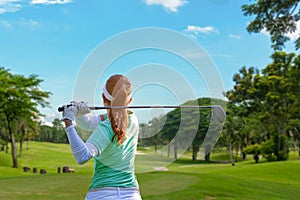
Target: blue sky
x: 53, y: 39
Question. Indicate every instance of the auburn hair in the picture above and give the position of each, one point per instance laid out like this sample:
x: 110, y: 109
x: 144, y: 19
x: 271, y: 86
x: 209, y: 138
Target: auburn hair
x: 119, y: 87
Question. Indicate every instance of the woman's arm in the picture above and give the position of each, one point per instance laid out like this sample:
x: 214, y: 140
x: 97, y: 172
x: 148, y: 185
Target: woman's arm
x: 81, y: 151
x: 83, y: 118
x: 89, y: 122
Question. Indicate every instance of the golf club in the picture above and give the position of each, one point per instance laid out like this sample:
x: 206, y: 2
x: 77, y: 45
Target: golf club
x: 218, y: 111
x: 60, y: 109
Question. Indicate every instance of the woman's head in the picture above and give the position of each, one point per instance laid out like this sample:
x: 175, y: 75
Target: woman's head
x: 117, y: 92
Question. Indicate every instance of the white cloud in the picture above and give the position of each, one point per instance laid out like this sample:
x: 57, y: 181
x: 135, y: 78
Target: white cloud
x: 5, y: 24
x: 169, y: 5
x: 50, y: 2
x: 47, y: 120
x: 296, y: 34
x: 233, y: 36
x: 293, y: 36
x: 21, y: 22
x: 29, y: 23
x: 197, y: 29
x: 9, y: 6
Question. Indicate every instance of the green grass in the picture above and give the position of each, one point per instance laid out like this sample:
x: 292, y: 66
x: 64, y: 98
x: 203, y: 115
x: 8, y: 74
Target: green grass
x: 185, y: 180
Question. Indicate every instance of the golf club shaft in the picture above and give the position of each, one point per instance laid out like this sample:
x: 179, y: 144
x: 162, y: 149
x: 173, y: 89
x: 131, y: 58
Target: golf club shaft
x: 60, y: 109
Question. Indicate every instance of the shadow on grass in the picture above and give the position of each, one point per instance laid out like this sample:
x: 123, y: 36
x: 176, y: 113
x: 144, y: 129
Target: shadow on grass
x: 191, y: 162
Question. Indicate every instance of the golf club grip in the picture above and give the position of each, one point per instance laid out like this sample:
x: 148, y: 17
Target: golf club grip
x: 61, y: 109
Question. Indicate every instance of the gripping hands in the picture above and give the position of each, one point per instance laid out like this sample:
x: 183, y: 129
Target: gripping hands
x: 75, y: 109
x: 82, y: 108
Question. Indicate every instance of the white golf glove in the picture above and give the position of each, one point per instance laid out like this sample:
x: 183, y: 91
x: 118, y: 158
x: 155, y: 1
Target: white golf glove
x: 69, y: 112
x: 82, y: 108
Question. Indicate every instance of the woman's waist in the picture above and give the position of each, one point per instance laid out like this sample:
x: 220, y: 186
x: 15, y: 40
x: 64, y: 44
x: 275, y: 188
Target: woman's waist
x: 113, y: 188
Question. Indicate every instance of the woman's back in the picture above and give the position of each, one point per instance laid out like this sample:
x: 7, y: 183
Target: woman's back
x: 114, y: 166
x: 112, y: 144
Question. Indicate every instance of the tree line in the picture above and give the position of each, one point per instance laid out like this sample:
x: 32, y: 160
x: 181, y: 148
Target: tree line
x: 262, y: 108
x: 181, y: 129
x: 263, y: 114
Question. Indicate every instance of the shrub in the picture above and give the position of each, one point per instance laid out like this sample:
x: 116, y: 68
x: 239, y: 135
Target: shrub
x: 267, y: 149
x: 255, y: 150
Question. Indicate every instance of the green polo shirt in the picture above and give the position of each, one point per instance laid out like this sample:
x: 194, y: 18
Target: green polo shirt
x: 114, y: 166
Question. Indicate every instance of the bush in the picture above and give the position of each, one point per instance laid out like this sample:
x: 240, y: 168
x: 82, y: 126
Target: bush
x: 267, y: 150
x: 255, y: 150
x: 270, y: 149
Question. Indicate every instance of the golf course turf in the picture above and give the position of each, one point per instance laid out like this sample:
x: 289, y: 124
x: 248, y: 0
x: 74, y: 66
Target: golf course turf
x: 184, y: 179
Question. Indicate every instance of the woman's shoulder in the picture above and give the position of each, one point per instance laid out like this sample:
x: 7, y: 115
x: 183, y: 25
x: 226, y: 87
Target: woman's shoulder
x: 103, y: 129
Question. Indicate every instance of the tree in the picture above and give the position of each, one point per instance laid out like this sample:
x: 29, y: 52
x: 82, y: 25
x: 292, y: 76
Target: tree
x: 179, y: 128
x: 20, y: 96
x: 170, y: 129
x: 278, y: 18
x: 232, y: 128
x: 155, y: 125
x: 294, y: 122
x: 26, y: 129
x: 45, y: 134
x: 294, y: 130
x: 188, y: 127
x: 59, y: 135
x: 54, y: 133
x: 271, y: 96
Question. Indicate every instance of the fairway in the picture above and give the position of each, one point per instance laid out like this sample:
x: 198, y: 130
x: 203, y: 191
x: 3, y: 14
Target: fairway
x: 184, y: 180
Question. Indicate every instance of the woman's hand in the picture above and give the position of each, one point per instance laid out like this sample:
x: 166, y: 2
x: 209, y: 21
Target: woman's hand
x: 82, y: 107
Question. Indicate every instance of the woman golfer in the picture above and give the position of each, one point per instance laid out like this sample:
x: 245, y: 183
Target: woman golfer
x: 112, y: 144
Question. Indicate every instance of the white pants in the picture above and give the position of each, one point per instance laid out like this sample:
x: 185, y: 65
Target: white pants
x: 113, y: 193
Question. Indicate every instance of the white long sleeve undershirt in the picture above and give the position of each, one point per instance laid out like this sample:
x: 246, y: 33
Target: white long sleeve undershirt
x: 82, y: 152
x: 87, y: 122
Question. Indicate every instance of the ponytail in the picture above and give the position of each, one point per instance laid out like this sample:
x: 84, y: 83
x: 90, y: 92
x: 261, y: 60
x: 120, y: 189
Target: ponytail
x: 119, y: 89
